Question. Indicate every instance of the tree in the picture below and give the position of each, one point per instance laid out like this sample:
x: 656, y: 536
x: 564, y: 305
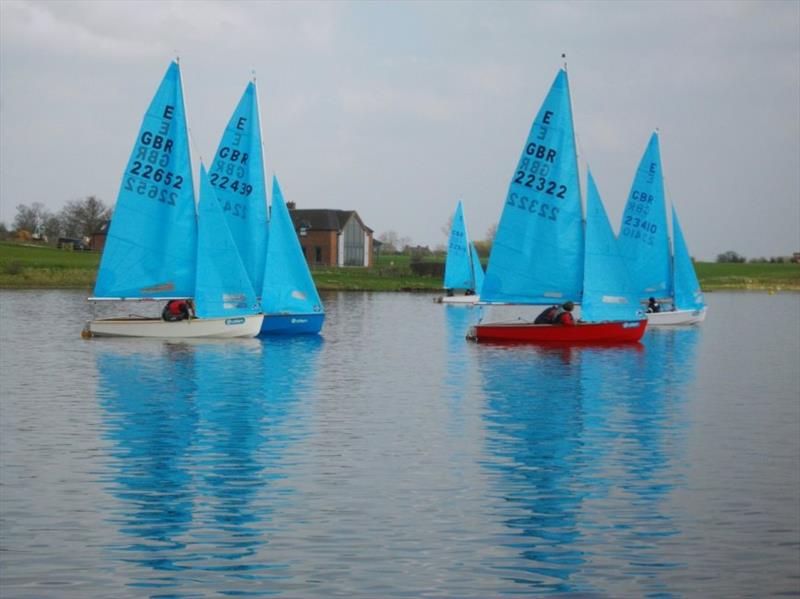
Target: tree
x: 82, y: 218
x: 490, y: 233
x: 30, y: 218
x: 52, y: 228
x: 4, y: 233
x: 390, y: 241
x: 447, y: 226
x: 730, y: 256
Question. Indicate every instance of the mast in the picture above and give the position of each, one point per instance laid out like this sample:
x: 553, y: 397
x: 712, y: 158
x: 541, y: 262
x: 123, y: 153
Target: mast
x: 261, y: 142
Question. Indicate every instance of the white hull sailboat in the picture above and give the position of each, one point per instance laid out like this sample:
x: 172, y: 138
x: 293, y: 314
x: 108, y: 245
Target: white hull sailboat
x: 657, y: 271
x: 676, y: 317
x: 462, y: 268
x: 161, y: 245
x: 218, y: 328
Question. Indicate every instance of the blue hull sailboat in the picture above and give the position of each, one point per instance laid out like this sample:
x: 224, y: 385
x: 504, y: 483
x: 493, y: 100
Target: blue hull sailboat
x: 541, y: 253
x: 268, y: 243
x: 658, y: 273
x: 462, y: 268
x: 289, y: 296
x: 156, y: 248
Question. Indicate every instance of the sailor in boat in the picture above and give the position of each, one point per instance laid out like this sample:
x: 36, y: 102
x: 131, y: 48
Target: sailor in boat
x: 557, y: 315
x: 653, y: 306
x: 178, y: 309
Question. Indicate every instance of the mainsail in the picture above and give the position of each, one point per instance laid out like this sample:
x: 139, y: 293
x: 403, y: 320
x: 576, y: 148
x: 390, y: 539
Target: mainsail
x: 537, y: 254
x: 457, y: 266
x: 608, y: 292
x: 223, y: 287
x: 239, y: 181
x: 151, y: 243
x: 643, y: 235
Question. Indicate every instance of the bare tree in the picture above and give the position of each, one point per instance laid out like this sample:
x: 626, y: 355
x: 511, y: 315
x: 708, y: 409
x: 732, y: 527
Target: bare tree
x: 30, y: 218
x: 390, y: 241
x: 490, y: 233
x: 52, y: 228
x: 82, y: 218
x: 447, y: 226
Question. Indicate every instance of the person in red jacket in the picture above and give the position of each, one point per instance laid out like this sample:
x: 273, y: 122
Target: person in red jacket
x: 564, y: 316
x: 178, y: 309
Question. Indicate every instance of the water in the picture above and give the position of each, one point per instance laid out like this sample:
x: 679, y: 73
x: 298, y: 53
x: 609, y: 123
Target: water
x: 391, y: 458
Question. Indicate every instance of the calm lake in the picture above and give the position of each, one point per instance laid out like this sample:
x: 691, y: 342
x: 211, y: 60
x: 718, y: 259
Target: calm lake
x: 389, y: 457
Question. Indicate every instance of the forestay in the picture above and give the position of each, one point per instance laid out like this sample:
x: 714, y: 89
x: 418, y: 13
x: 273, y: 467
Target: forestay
x: 457, y: 266
x: 239, y: 181
x: 537, y: 254
x: 608, y: 291
x: 151, y: 243
x: 288, y: 286
x: 643, y: 235
x: 688, y: 295
x: 223, y: 287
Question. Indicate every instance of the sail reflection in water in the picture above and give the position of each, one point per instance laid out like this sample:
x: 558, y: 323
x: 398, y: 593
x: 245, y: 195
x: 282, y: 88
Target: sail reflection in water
x: 585, y: 446
x: 201, y: 435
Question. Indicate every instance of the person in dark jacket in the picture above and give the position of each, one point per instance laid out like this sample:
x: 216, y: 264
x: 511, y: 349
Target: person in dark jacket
x: 564, y: 315
x: 557, y: 315
x: 653, y: 305
x: 177, y: 309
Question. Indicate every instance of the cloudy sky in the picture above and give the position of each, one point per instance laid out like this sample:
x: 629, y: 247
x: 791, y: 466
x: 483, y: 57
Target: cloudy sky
x: 398, y: 109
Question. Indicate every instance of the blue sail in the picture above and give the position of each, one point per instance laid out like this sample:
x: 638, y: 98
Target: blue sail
x: 688, y: 295
x: 457, y: 266
x: 151, y: 243
x: 643, y: 236
x: 537, y: 254
x: 223, y: 288
x: 608, y: 291
x: 288, y: 286
x: 477, y: 269
x: 238, y: 178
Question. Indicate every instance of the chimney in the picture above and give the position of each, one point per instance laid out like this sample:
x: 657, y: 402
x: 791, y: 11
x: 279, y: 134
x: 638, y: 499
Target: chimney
x: 291, y: 205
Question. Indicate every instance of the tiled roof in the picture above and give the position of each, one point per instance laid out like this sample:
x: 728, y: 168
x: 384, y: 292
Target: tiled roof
x: 324, y: 219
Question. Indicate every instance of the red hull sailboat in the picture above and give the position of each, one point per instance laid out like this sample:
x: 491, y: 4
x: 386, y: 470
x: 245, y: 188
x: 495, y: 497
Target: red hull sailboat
x: 583, y: 332
x: 543, y: 250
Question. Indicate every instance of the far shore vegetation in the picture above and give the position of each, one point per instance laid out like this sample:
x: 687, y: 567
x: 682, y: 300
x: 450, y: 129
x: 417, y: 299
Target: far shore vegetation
x: 32, y: 266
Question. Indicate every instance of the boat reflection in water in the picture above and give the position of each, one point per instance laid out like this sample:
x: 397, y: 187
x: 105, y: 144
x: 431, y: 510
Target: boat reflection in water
x: 586, y: 445
x: 200, y: 434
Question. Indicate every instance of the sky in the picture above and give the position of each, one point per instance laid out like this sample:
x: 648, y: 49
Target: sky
x: 399, y: 109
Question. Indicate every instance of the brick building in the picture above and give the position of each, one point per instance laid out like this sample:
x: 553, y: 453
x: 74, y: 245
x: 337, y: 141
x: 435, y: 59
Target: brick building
x: 332, y: 237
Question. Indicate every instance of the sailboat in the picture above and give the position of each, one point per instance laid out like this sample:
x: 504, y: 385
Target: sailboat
x: 158, y: 248
x: 645, y: 243
x: 268, y: 245
x: 289, y: 296
x: 462, y: 268
x: 541, y: 254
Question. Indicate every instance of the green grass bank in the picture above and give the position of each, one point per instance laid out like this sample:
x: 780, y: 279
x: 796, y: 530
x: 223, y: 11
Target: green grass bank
x: 37, y: 267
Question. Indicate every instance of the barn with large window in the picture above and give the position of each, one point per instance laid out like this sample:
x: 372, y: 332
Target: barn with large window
x: 332, y: 237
